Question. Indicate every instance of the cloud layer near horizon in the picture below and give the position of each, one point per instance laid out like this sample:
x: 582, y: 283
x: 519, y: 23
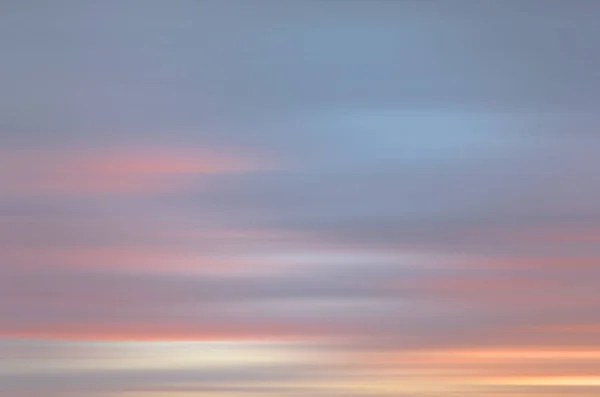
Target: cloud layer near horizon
x: 324, y: 198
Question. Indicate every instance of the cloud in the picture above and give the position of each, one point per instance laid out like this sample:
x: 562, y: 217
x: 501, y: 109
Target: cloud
x: 113, y: 171
x: 404, y: 181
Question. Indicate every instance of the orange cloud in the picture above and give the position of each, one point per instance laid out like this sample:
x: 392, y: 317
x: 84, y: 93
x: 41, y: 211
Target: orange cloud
x: 112, y: 171
x: 473, y: 366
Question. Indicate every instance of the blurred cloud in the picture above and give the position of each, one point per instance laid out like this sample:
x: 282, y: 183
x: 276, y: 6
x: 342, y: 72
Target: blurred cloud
x: 324, y: 198
x: 110, y: 171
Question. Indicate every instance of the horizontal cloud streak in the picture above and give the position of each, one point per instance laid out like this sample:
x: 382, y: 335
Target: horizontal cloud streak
x: 324, y: 198
x: 112, y: 170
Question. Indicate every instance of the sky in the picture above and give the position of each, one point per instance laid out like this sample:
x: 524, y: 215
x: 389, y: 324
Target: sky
x: 292, y: 198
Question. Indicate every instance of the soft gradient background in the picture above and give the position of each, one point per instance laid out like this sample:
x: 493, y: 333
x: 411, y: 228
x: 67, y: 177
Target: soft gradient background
x: 293, y: 198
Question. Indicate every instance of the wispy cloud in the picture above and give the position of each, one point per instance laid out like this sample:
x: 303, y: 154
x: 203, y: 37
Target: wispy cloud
x: 113, y: 171
x: 313, y: 198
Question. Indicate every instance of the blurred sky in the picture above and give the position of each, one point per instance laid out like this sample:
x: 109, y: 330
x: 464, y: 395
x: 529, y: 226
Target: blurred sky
x: 290, y: 198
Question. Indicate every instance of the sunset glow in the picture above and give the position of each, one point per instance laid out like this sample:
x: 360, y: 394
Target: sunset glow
x: 294, y: 198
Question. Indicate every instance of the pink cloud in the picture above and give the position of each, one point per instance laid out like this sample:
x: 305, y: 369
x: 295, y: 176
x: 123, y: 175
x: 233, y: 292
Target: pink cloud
x: 100, y: 171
